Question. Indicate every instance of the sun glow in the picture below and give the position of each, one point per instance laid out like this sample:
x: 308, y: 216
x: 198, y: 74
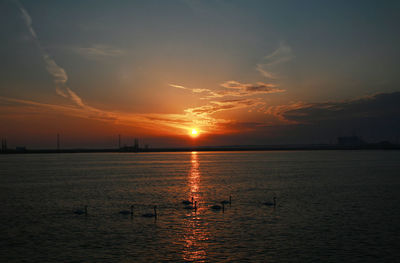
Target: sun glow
x: 194, y: 133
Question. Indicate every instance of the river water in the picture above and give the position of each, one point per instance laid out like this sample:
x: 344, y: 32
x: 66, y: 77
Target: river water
x: 331, y: 206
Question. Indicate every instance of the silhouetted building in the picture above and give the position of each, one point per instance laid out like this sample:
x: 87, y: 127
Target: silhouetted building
x: 133, y: 148
x: 350, y: 141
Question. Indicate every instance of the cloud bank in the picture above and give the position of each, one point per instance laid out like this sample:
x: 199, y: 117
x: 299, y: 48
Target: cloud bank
x: 374, y: 117
x: 379, y: 105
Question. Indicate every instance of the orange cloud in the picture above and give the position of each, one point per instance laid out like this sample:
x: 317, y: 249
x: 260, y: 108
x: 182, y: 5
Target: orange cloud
x: 216, y: 106
x: 237, y: 89
x: 233, y: 88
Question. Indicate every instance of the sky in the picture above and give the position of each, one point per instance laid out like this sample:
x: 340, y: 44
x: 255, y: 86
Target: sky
x: 238, y: 72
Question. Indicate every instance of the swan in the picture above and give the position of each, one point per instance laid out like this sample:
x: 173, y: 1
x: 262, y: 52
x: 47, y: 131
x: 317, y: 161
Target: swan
x: 271, y: 203
x: 81, y: 212
x: 226, y: 201
x: 187, y: 202
x: 191, y: 207
x: 150, y: 214
x: 218, y: 207
x: 126, y: 212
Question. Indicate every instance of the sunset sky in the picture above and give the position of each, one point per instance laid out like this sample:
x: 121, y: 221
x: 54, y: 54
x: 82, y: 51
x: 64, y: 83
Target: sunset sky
x: 238, y: 72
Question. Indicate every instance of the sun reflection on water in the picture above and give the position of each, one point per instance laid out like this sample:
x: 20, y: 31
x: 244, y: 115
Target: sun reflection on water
x: 196, y: 233
x: 194, y: 176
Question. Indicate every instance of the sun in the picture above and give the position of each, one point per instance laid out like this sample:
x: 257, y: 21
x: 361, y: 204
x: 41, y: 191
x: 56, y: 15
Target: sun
x: 194, y: 133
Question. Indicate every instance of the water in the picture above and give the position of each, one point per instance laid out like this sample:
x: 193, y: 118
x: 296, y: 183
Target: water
x: 332, y: 206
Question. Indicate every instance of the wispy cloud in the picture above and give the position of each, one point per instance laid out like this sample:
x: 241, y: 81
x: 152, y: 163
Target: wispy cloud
x: 267, y: 67
x: 28, y: 20
x: 190, y: 89
x: 99, y: 51
x: 59, y: 75
x: 178, y: 86
x: 216, y: 106
x: 234, y: 89
x: 237, y: 89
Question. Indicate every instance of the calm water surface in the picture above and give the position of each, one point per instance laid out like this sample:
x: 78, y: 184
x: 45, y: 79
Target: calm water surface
x: 332, y: 206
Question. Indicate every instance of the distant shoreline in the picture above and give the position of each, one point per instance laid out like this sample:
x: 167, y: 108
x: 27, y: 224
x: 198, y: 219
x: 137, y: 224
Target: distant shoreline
x: 211, y: 149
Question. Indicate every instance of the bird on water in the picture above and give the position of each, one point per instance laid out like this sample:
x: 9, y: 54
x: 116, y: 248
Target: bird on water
x: 151, y: 214
x: 218, y: 207
x: 271, y: 203
x: 81, y: 212
x: 126, y: 212
x: 187, y: 202
x: 191, y: 207
x: 227, y: 202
